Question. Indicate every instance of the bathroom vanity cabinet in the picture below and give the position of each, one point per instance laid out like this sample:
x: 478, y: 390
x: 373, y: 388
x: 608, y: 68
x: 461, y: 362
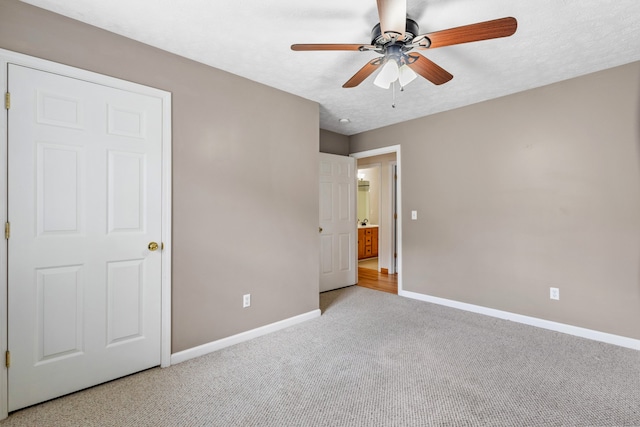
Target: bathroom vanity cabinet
x: 367, y: 242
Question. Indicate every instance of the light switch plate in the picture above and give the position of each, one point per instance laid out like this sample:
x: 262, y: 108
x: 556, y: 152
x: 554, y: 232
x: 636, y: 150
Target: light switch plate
x: 414, y: 215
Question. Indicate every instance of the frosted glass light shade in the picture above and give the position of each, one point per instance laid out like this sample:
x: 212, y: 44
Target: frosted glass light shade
x: 387, y: 75
x: 406, y: 75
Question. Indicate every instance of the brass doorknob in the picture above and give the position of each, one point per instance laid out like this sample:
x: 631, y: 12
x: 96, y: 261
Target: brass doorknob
x: 153, y: 246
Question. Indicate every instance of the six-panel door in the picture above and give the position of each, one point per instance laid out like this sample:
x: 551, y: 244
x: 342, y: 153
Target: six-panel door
x: 337, y: 222
x: 84, y: 203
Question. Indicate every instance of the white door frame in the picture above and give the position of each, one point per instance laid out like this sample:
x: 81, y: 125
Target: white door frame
x: 388, y: 150
x: 6, y: 57
x: 393, y: 185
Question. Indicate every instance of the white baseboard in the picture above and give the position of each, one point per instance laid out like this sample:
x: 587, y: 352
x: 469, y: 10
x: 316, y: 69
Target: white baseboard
x: 532, y: 321
x: 203, y: 349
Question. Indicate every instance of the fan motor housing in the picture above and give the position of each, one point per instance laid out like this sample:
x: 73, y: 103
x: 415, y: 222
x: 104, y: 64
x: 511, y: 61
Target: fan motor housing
x: 411, y: 31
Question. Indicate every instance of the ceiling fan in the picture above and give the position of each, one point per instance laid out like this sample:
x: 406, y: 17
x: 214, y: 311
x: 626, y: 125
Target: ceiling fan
x: 397, y: 38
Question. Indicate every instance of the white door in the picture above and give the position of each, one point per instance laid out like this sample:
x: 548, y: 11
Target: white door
x: 84, y: 203
x: 338, y: 228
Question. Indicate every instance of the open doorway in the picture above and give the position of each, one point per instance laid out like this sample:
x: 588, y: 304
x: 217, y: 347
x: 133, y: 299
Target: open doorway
x: 379, y: 174
x: 368, y: 206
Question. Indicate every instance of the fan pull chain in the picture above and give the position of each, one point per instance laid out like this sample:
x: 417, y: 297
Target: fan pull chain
x: 393, y: 85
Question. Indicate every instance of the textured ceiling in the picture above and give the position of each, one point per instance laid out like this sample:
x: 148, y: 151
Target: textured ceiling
x: 555, y: 40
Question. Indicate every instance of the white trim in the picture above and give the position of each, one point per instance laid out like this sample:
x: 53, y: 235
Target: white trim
x: 7, y: 57
x: 532, y: 321
x: 167, y: 178
x: 388, y: 150
x: 4, y: 375
x: 203, y: 349
x: 376, y: 152
x: 392, y: 193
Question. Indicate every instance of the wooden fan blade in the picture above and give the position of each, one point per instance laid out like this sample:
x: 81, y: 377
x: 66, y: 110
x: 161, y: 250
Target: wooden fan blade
x: 393, y: 16
x: 503, y: 27
x: 429, y: 70
x: 364, y: 72
x: 305, y: 47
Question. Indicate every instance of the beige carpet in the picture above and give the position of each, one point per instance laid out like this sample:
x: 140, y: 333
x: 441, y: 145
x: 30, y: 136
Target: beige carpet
x: 374, y: 359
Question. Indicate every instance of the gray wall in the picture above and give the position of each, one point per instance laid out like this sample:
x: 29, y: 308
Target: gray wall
x: 245, y: 200
x: 334, y: 143
x: 533, y: 190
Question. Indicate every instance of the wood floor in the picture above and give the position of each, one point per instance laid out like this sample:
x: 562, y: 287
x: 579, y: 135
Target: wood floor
x: 372, y: 279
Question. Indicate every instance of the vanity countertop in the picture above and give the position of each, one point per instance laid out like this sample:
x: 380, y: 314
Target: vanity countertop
x: 368, y: 226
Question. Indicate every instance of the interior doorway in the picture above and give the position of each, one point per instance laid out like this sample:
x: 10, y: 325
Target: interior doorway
x: 369, y: 214
x: 389, y: 256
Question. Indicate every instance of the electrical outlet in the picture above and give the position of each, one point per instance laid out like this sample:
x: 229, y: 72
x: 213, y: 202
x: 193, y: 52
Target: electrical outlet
x: 554, y: 293
x: 246, y: 300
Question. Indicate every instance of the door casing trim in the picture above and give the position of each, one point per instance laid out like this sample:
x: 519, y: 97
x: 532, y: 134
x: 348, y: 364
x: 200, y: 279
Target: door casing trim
x: 7, y: 57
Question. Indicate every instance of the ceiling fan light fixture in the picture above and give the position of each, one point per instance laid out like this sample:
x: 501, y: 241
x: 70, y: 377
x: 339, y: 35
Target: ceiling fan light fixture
x: 387, y: 75
x: 406, y: 75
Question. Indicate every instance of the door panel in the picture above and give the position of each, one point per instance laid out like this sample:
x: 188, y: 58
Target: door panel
x: 84, y: 201
x: 59, y: 174
x: 125, y: 291
x: 337, y: 221
x: 61, y: 312
x: 126, y: 191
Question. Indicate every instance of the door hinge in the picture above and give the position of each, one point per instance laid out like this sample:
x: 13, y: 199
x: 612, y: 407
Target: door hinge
x: 7, y: 359
x: 7, y: 100
x: 395, y: 216
x: 7, y: 230
x: 395, y: 255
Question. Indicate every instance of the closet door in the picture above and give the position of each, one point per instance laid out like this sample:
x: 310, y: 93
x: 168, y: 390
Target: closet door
x: 84, y: 204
